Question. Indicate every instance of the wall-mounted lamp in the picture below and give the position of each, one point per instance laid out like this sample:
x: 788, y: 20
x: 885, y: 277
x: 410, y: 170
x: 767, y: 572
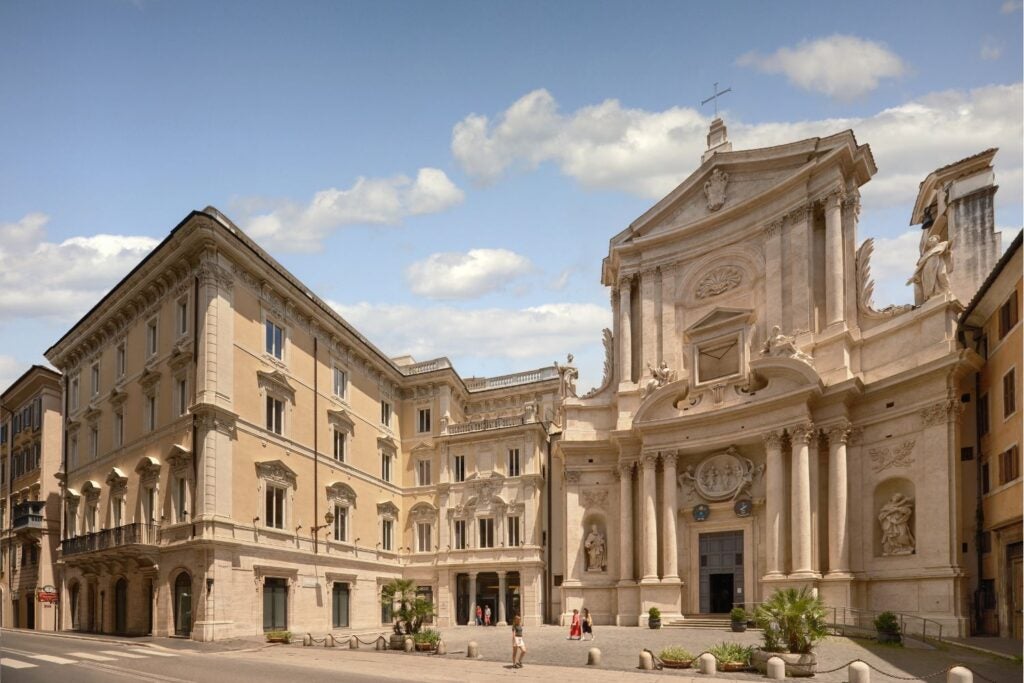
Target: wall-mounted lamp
x: 209, y: 586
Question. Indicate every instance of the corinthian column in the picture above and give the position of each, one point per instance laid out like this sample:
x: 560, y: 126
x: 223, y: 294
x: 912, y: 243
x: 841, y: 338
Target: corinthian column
x: 800, y: 491
x: 838, y: 534
x: 773, y: 497
x: 833, y: 258
x: 650, y: 520
x: 625, y: 332
x: 625, y: 474
x: 668, y: 526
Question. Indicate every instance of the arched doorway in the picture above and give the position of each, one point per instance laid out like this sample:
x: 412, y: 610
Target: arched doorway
x: 121, y: 606
x: 73, y: 605
x: 183, y: 605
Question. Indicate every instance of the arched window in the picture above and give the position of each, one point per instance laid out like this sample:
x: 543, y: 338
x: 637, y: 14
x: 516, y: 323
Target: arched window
x: 183, y: 605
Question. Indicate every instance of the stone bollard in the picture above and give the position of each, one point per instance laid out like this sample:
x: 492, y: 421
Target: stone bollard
x: 353, y: 643
x: 471, y: 649
x: 646, y: 661
x: 329, y: 640
x: 382, y: 643
x: 776, y: 669
x: 859, y: 672
x: 708, y: 664
x: 959, y: 674
x: 307, y: 640
x: 594, y: 657
x: 442, y: 649
x: 408, y: 645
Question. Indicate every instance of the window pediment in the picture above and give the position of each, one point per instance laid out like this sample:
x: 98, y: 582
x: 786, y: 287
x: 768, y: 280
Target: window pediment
x: 148, y: 467
x: 423, y: 512
x: 387, y: 510
x: 275, y: 381
x: 341, y: 493
x: 92, y: 414
x: 718, y: 321
x: 340, y: 418
x: 91, y: 490
x: 181, y: 354
x: 180, y: 459
x: 387, y: 444
x: 149, y: 378
x: 117, y: 396
x: 277, y: 472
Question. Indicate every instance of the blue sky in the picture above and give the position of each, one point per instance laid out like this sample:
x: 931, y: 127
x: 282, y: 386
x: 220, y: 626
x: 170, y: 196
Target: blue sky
x: 449, y: 173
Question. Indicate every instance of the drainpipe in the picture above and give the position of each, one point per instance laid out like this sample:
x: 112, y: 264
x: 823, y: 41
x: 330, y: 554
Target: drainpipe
x: 316, y: 448
x: 10, y: 492
x: 195, y: 388
x: 548, y: 534
x: 59, y: 607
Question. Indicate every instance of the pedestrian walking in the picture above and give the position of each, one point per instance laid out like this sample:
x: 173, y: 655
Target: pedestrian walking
x: 518, y: 646
x: 479, y: 615
x: 574, y: 626
x: 487, y: 615
x: 588, y: 624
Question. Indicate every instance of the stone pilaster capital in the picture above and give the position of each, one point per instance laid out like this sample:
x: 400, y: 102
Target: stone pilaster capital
x: 851, y: 202
x: 669, y: 458
x: 624, y: 469
x: 572, y: 476
x: 649, y: 461
x: 772, y: 439
x: 625, y: 283
x: 773, y: 228
x: 802, y: 433
x: 839, y: 433
x: 833, y: 200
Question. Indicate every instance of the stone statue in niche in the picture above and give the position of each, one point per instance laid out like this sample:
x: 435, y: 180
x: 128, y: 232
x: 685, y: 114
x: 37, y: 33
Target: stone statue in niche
x: 660, y: 376
x: 714, y: 189
x: 569, y: 375
x: 897, y: 539
x: 783, y: 346
x: 595, y: 547
x: 931, y: 276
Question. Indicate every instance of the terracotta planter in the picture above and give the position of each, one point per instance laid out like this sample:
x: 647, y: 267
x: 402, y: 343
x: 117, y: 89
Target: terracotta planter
x: 797, y: 665
x: 677, y: 663
x: 424, y: 647
x: 397, y: 641
x: 733, y: 666
x: 279, y: 640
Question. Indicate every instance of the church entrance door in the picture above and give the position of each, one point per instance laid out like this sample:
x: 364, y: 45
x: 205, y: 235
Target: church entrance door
x: 721, y: 571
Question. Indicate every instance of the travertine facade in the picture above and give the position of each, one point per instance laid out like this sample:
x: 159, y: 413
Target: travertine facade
x: 761, y: 424
x: 247, y: 461
x: 30, y: 461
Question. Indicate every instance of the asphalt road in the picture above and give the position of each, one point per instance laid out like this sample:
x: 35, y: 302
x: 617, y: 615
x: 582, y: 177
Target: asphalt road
x: 32, y: 658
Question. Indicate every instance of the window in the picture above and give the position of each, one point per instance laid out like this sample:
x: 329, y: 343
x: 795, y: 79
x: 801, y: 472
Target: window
x: 423, y: 533
x: 339, y: 605
x: 386, y: 613
x: 275, y: 508
x: 460, y: 468
x: 118, y: 429
x: 95, y: 375
x: 385, y: 413
x: 460, y: 534
x: 423, y: 473
x: 1010, y: 393
x: 513, y: 530
x: 983, y: 415
x: 275, y: 340
x: 1009, y: 465
x: 487, y: 533
x: 986, y: 485
x: 74, y: 393
x: 513, y: 462
x: 117, y: 511
x: 149, y: 505
x: 120, y: 360
x: 719, y: 358
x: 180, y: 500
x: 182, y: 396
x: 339, y: 445
x: 91, y: 517
x: 73, y: 452
x: 182, y: 317
x: 423, y: 424
x: 94, y: 442
x: 385, y: 466
x: 1008, y: 315
x: 340, y: 382
x: 275, y: 415
x: 151, y: 412
x: 340, y: 523
x: 151, y: 338
x: 387, y: 532
x: 987, y: 588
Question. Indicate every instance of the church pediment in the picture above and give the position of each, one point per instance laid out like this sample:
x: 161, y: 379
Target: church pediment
x: 719, y: 319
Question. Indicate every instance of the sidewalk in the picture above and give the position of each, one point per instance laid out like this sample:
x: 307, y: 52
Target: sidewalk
x: 174, y: 644
x: 1000, y: 647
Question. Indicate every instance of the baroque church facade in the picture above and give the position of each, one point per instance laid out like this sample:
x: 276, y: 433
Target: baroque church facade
x: 760, y: 424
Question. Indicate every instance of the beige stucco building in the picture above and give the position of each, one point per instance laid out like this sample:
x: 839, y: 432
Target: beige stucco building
x: 241, y: 459
x: 30, y: 462
x: 990, y: 452
x: 761, y: 424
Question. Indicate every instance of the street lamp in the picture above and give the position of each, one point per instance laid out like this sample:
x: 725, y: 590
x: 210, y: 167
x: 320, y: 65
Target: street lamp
x: 328, y: 521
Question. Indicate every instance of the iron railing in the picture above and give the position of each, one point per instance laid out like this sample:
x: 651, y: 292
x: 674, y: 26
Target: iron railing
x: 129, y: 534
x: 851, y: 621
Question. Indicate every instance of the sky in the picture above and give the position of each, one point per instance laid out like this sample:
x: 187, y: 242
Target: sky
x: 448, y: 174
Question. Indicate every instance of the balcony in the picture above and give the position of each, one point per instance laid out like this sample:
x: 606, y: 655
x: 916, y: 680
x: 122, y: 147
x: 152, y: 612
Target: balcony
x: 488, y: 424
x: 28, y: 516
x: 135, y: 537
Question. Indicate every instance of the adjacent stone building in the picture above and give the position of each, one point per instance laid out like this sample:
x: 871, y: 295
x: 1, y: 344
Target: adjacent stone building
x: 240, y: 459
x: 30, y: 463
x: 761, y: 424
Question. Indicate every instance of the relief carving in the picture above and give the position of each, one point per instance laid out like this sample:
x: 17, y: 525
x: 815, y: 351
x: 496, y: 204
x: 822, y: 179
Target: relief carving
x: 719, y: 281
x: 866, y: 286
x: 941, y: 412
x: 900, y: 456
x: 723, y: 476
x: 897, y: 539
x: 591, y: 498
x: 607, y: 339
x: 714, y: 189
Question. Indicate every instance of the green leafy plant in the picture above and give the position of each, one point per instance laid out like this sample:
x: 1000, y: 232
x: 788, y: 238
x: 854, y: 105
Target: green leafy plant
x: 732, y: 653
x: 675, y: 654
x: 792, y: 620
x: 738, y: 614
x: 427, y: 635
x: 654, y: 613
x: 412, y: 609
x: 283, y: 636
x: 886, y: 622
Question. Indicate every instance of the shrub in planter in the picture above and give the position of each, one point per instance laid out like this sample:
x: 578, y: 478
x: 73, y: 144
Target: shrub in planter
x: 278, y: 636
x: 738, y: 617
x: 732, y: 656
x: 888, y: 628
x: 427, y: 639
x: 676, y: 657
x: 654, y: 617
x: 792, y: 622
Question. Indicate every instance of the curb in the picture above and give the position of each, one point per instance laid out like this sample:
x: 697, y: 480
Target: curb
x: 95, y: 639
x: 982, y: 650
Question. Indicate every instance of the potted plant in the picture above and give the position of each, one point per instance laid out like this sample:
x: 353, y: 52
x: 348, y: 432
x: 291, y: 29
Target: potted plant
x: 426, y: 640
x: 792, y: 623
x: 738, y: 619
x: 278, y: 637
x: 676, y: 657
x: 887, y: 627
x: 412, y: 610
x: 732, y: 656
x: 654, y: 617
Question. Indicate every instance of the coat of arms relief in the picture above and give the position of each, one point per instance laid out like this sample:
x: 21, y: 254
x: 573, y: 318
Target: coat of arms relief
x: 714, y: 189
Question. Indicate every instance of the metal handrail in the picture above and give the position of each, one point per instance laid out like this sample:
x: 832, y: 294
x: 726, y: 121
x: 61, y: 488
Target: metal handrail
x: 854, y: 618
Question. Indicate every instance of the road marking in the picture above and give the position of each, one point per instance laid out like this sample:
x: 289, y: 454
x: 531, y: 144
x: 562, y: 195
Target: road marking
x: 160, y: 654
x: 119, y: 653
x: 15, y: 664
x: 53, y: 659
x: 89, y: 655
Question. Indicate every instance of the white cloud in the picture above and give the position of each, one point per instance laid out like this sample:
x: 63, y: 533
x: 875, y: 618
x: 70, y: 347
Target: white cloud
x: 288, y: 226
x: 40, y: 279
x: 648, y: 153
x: 10, y: 370
x: 1011, y: 6
x: 892, y: 263
x: 456, y: 275
x: 841, y: 67
x: 991, y: 49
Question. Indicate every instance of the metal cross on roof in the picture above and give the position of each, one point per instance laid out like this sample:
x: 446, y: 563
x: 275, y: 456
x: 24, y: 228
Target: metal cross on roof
x: 715, y: 98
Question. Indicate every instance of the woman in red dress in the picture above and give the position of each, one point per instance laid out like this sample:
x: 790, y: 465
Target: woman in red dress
x: 575, y: 632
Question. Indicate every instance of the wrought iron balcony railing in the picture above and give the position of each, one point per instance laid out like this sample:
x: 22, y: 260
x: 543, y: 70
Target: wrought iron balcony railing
x: 129, y: 534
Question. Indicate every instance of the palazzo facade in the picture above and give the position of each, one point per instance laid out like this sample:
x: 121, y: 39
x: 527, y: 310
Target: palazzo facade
x: 760, y: 424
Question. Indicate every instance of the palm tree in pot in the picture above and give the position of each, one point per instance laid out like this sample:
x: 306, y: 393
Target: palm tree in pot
x: 792, y: 623
x: 412, y: 609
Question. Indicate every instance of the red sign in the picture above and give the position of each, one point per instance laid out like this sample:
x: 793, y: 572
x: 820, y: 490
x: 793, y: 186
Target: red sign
x: 47, y: 597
